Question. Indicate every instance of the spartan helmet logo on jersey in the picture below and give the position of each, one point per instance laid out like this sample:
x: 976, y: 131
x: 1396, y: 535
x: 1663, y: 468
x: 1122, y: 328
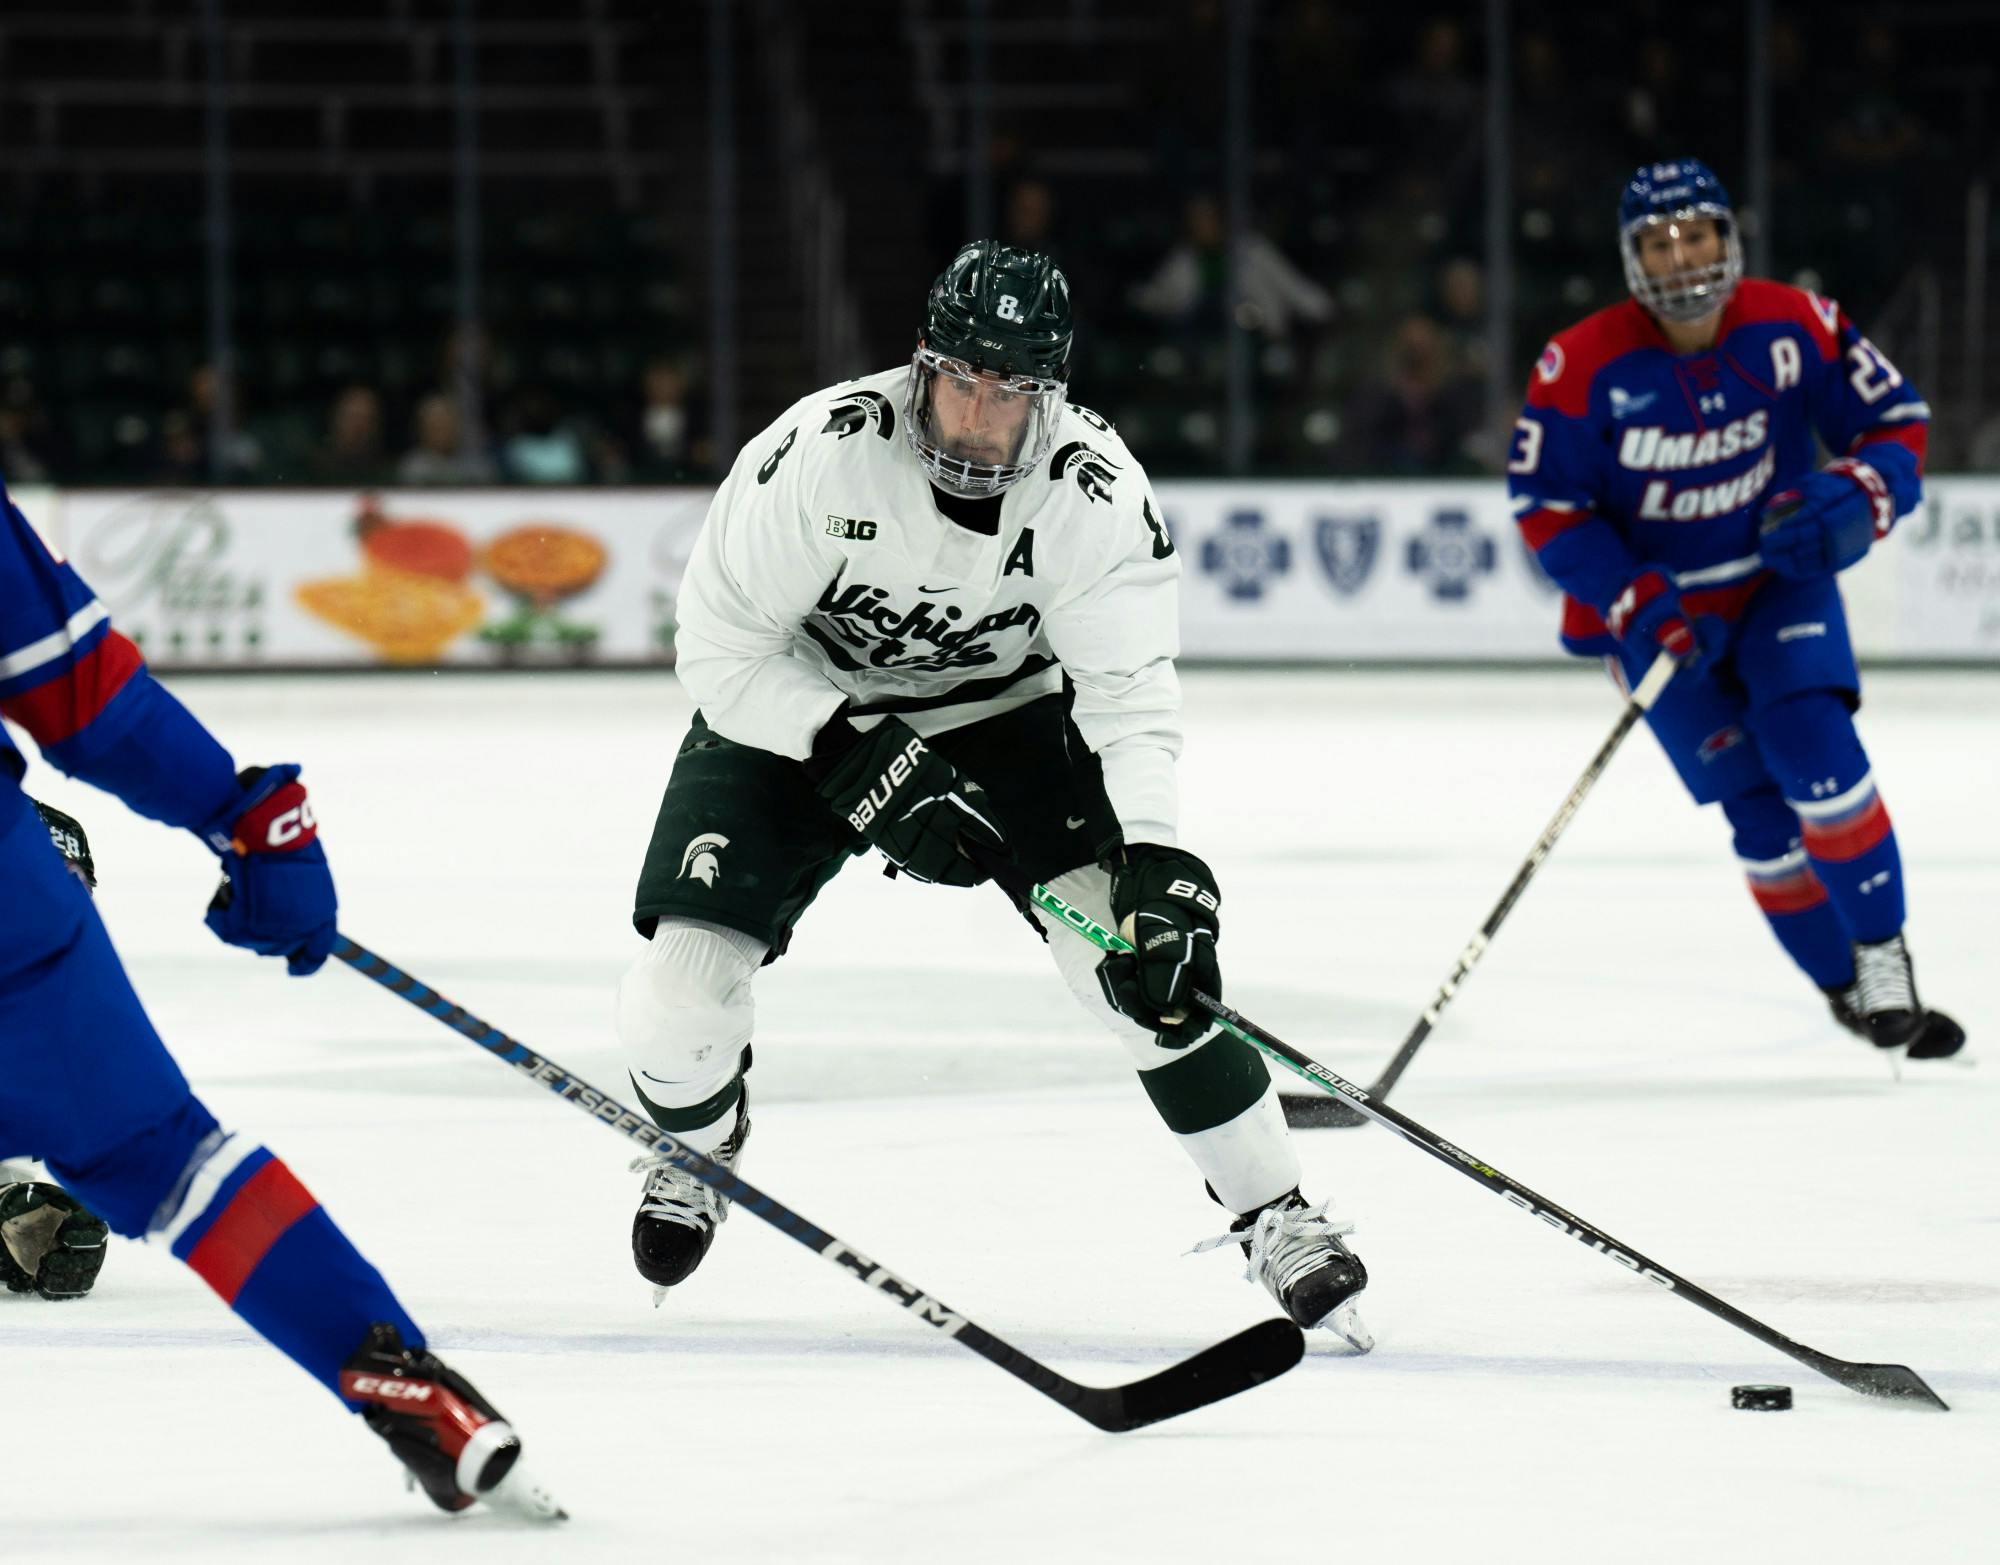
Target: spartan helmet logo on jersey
x: 1680, y: 213
x: 989, y: 377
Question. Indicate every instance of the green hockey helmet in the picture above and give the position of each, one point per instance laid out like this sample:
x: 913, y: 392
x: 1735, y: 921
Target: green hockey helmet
x: 989, y: 377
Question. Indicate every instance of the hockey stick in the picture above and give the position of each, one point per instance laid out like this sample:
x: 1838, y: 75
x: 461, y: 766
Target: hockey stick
x: 1894, y: 1381
x: 1237, y: 1363
x: 1308, y: 1110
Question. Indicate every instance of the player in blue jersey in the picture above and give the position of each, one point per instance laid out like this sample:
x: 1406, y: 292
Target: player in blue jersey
x: 1665, y: 473
x: 88, y: 1088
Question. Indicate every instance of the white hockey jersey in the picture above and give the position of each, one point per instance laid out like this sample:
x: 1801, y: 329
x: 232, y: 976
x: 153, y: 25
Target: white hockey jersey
x: 825, y: 574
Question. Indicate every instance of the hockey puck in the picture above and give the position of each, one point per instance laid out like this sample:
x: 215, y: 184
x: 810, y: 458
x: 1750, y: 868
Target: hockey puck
x: 1761, y: 1399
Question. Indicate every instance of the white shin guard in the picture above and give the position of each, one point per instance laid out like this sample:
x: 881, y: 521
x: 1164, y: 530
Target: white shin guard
x: 685, y: 1014
x: 1247, y: 1161
x: 1251, y: 1159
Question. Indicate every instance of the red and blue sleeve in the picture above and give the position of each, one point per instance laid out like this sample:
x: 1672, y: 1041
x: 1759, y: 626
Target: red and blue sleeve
x: 1553, y: 481
x: 83, y: 693
x: 1863, y: 408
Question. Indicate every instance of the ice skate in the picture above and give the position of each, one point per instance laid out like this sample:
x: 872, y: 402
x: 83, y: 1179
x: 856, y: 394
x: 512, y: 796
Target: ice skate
x: 1881, y: 1005
x: 454, y: 1442
x: 1295, y: 1251
x: 1940, y: 1039
x: 678, y: 1214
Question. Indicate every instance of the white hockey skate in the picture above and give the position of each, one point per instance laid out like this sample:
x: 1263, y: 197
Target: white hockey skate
x: 678, y: 1214
x: 1295, y: 1251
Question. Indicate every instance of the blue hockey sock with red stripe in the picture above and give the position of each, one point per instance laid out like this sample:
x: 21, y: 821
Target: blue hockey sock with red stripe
x: 254, y: 1234
x: 1786, y: 890
x: 1811, y: 747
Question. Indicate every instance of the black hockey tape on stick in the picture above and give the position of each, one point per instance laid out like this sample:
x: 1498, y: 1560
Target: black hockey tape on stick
x: 1894, y: 1381
x: 1309, y: 1110
x: 1237, y: 1363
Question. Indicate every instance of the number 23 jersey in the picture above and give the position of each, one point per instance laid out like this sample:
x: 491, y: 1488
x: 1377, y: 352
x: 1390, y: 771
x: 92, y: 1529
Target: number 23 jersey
x: 1628, y: 455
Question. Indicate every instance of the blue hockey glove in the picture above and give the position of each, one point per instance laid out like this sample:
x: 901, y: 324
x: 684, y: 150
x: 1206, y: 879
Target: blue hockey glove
x: 1648, y: 617
x: 277, y: 899
x: 1165, y: 903
x: 1827, y: 522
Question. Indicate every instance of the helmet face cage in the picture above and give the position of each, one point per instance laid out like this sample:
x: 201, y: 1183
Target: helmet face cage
x: 1693, y: 292
x: 973, y: 474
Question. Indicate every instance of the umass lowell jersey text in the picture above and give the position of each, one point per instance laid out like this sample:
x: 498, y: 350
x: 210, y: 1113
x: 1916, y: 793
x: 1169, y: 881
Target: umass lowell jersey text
x: 1627, y: 456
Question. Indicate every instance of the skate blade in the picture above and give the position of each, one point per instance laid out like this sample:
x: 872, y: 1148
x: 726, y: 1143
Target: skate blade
x: 520, y: 1493
x: 660, y: 1296
x: 1920, y: 1066
x: 1345, y: 1323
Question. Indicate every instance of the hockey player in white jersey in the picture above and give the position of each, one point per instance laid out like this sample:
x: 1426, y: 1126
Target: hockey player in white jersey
x: 931, y: 607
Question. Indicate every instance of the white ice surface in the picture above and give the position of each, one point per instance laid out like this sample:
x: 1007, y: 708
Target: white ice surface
x: 1634, y: 1047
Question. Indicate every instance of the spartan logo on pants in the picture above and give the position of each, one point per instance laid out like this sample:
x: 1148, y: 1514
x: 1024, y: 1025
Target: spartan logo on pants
x: 698, y: 863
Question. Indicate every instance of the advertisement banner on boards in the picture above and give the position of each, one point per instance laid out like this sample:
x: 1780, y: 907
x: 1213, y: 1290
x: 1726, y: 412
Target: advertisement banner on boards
x: 395, y: 578
x: 1354, y: 571
x: 1272, y: 570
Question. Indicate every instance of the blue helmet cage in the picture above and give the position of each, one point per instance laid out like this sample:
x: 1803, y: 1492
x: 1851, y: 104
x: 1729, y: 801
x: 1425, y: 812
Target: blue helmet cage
x: 1671, y: 193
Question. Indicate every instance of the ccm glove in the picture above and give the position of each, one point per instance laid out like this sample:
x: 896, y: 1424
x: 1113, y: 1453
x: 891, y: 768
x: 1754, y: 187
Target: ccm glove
x: 1827, y: 522
x: 1647, y: 617
x: 277, y: 898
x: 1165, y: 904
x: 908, y: 801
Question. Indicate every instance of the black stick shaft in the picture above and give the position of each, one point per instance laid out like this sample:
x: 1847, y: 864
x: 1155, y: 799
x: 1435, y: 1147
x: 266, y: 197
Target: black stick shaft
x: 1308, y: 1110
x: 1249, y: 1358
x: 1879, y: 1380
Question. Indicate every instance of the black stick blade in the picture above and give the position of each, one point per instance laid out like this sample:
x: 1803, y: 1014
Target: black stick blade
x: 1314, y: 1111
x: 1237, y: 1363
x: 1895, y: 1382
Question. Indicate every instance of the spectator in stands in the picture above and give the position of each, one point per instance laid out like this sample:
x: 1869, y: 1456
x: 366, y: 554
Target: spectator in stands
x: 664, y: 443
x: 1413, y: 420
x: 26, y: 440
x: 352, y: 453
x: 183, y: 456
x: 1461, y: 300
x: 1187, y: 290
x: 1029, y: 218
x: 440, y: 456
x: 542, y: 447
x: 1437, y: 102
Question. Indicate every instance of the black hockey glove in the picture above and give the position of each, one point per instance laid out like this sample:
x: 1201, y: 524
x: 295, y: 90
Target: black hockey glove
x: 1165, y: 903
x: 49, y: 1244
x: 907, y: 800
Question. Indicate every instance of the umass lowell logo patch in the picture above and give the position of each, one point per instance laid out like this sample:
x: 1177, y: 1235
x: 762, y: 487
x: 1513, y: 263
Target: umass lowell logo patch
x: 861, y: 626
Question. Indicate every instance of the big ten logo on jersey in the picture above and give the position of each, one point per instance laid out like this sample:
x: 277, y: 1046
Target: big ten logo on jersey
x: 855, y: 528
x: 924, y: 639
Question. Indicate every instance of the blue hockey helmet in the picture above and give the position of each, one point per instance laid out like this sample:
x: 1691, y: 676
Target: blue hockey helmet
x: 1668, y: 193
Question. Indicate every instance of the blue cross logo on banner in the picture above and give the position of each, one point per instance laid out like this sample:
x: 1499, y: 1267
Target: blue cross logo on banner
x: 1244, y: 555
x: 1450, y: 556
